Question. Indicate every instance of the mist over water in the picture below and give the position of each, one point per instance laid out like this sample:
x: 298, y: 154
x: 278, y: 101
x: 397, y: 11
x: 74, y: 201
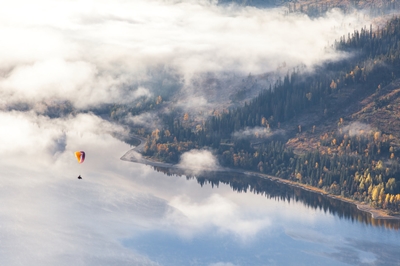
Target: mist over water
x: 127, y: 213
x: 74, y: 56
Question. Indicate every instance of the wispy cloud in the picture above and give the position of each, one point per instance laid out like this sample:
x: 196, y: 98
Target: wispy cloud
x: 215, y: 211
x: 357, y: 128
x: 149, y: 120
x: 40, y: 140
x: 256, y: 132
x: 89, y: 53
x: 96, y: 52
x: 197, y: 161
x: 85, y: 220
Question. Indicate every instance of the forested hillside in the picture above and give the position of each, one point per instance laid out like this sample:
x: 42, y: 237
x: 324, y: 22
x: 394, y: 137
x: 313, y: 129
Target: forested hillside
x: 360, y: 163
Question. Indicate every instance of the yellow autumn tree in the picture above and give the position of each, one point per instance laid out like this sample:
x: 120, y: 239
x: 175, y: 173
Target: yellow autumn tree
x: 298, y: 176
x: 375, y: 194
x: 155, y: 134
x: 263, y: 121
x: 377, y: 135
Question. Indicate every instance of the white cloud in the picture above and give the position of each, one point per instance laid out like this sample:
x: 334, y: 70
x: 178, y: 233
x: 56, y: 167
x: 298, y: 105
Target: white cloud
x: 357, y: 128
x: 149, y: 120
x: 216, y: 211
x: 256, y: 132
x: 39, y: 140
x: 197, y: 161
x: 142, y: 92
x: 90, y: 52
x: 53, y: 218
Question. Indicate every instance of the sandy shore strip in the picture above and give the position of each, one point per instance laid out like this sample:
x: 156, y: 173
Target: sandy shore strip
x: 134, y: 155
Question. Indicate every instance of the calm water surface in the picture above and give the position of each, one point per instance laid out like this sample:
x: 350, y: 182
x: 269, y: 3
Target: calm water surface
x: 260, y: 222
x: 123, y: 213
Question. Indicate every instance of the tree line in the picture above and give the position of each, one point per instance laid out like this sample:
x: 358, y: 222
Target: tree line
x: 363, y: 166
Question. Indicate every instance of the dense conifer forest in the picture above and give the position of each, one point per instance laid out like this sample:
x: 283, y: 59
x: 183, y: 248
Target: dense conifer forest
x: 362, y: 165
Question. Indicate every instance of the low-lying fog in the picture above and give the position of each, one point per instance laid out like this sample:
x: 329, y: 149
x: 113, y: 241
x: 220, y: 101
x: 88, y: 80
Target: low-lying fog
x: 91, y: 53
x: 123, y: 213
x: 97, y: 52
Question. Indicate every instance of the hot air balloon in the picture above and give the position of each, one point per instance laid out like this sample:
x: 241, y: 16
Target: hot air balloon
x: 80, y: 156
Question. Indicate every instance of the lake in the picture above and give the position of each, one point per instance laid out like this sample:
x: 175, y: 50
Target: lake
x: 233, y: 219
x: 124, y: 213
x: 65, y: 61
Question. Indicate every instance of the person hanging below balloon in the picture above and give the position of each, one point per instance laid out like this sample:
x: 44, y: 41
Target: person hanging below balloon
x: 80, y: 156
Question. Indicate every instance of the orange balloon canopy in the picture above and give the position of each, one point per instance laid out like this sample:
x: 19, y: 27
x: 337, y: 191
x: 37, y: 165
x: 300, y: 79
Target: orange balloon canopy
x: 80, y: 156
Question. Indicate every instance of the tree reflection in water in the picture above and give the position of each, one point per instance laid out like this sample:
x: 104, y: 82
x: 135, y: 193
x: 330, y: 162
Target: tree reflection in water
x: 271, y: 189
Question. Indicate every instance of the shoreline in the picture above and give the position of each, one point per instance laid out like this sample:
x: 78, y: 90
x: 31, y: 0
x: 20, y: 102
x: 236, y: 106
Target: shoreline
x: 375, y: 212
x: 135, y: 155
